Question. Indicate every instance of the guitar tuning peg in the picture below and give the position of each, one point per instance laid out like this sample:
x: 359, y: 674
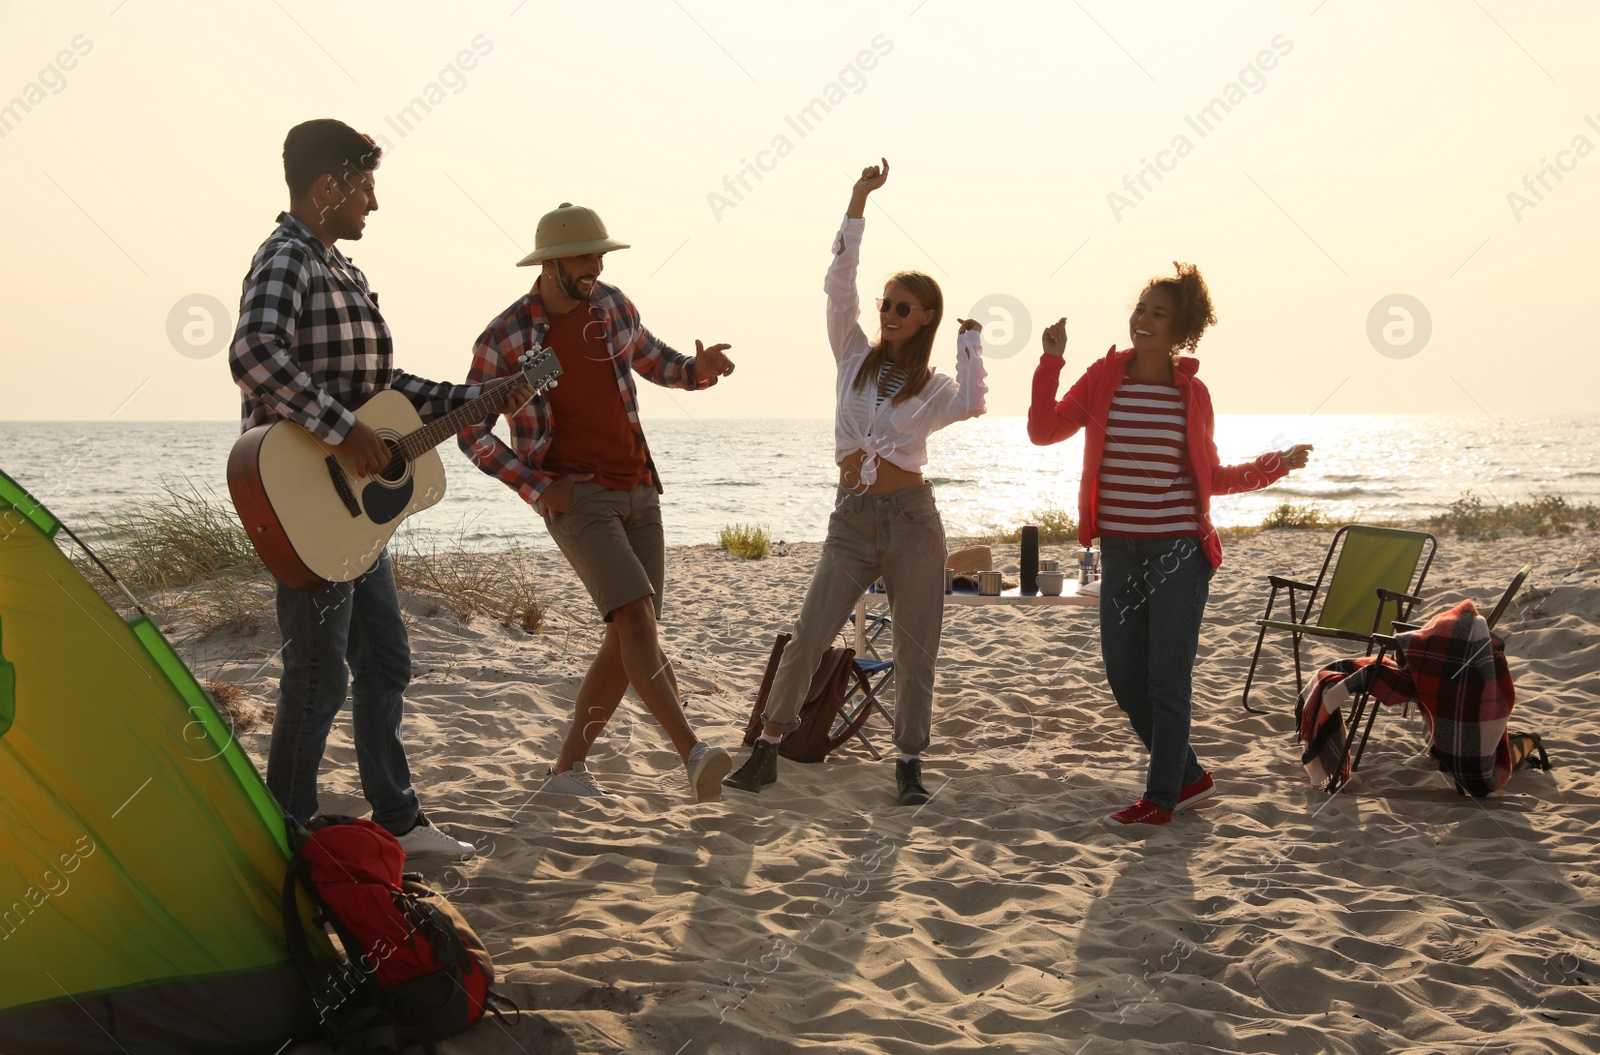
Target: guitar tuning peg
x: 555, y: 384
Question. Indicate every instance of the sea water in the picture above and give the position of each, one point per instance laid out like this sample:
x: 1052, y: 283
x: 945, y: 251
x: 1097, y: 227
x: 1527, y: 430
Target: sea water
x: 780, y: 474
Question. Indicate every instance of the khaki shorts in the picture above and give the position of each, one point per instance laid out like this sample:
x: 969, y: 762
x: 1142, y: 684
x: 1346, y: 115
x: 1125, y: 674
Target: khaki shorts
x: 614, y: 541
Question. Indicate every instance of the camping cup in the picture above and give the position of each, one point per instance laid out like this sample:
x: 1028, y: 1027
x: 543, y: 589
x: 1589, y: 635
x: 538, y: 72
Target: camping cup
x: 1051, y: 582
x: 949, y: 580
x: 1049, y: 565
x: 989, y: 583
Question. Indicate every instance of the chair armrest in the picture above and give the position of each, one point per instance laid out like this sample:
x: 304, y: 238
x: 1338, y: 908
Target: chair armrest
x: 1406, y: 628
x: 1280, y: 581
x: 1391, y: 595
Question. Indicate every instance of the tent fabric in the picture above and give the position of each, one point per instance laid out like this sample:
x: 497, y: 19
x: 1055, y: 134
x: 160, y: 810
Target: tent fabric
x: 141, y: 855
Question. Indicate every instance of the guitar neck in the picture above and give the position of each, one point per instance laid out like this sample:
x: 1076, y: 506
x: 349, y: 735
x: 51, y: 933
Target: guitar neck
x: 440, y: 429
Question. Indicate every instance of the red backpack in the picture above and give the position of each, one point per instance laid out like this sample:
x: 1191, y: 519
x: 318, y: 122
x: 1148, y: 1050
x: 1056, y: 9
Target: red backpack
x: 415, y: 972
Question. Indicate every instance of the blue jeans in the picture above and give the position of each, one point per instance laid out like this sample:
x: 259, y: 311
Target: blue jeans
x: 358, y: 622
x: 1152, y: 601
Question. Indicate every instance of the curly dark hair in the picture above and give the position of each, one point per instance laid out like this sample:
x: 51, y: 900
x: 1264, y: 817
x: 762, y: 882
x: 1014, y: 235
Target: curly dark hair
x: 1191, y: 304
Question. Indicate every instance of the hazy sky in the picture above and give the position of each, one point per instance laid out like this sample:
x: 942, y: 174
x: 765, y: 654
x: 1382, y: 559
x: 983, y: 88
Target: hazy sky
x: 1046, y: 156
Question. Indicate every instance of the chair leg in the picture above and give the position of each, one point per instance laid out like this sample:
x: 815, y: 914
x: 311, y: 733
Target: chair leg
x: 1299, y: 677
x: 1250, y: 677
x: 1366, y: 735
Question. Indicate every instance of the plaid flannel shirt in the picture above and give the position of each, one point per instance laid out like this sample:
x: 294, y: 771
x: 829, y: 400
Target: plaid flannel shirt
x: 311, y: 344
x: 524, y: 326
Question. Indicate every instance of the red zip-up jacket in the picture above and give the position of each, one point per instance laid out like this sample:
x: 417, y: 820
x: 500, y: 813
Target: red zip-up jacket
x: 1088, y: 402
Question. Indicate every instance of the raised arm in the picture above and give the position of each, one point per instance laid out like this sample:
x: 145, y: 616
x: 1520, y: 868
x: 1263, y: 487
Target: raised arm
x: 844, y: 303
x: 965, y: 398
x: 1260, y: 471
x: 1050, y: 421
x: 658, y: 362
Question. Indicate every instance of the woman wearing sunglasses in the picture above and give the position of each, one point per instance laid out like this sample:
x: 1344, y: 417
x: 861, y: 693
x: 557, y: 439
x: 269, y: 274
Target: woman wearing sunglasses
x: 884, y: 521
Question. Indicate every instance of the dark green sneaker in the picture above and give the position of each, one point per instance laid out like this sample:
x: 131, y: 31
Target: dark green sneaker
x: 759, y: 770
x: 908, y: 775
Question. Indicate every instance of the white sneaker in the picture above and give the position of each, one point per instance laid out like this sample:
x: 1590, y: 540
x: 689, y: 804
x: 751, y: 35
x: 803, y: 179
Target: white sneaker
x: 707, y: 766
x: 425, y: 840
x: 575, y: 781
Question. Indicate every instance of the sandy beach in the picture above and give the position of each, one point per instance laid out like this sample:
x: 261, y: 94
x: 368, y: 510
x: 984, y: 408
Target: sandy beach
x: 1003, y: 916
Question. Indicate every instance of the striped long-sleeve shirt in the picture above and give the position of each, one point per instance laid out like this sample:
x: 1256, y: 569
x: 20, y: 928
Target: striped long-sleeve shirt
x: 1146, y: 488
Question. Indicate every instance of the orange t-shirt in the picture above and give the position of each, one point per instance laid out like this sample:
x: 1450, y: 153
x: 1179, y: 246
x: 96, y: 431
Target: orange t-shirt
x: 591, y: 431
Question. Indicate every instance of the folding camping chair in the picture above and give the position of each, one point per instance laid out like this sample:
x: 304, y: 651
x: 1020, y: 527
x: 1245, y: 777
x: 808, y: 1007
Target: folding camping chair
x: 1374, y: 564
x: 877, y: 672
x: 1362, y: 704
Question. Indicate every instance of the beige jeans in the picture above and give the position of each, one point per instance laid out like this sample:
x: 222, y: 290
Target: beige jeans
x: 899, y: 537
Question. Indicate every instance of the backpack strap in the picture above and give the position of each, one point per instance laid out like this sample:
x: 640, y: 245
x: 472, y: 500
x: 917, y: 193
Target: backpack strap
x: 502, y: 1007
x: 753, y: 727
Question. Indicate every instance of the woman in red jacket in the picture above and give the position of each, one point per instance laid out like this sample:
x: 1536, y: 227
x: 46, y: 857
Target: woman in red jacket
x: 1150, y: 468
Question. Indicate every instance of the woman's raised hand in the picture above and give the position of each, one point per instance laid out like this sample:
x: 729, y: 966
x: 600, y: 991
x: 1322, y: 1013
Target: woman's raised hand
x: 1055, y: 338
x: 872, y: 177
x: 969, y: 324
x: 1297, y: 456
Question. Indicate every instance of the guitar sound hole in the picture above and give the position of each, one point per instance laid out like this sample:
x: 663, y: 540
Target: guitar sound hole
x: 395, y: 471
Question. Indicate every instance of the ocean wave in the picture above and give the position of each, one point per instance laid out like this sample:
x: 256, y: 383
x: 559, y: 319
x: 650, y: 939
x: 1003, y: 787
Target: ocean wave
x: 1335, y: 493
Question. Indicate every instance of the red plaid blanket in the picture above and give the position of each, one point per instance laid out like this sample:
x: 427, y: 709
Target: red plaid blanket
x: 1454, y: 669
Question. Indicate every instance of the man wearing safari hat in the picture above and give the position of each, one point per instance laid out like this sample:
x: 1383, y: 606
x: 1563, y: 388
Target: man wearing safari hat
x: 577, y: 454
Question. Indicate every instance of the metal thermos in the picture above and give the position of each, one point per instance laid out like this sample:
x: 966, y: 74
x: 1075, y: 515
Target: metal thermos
x: 1086, y: 566
x: 1030, y: 559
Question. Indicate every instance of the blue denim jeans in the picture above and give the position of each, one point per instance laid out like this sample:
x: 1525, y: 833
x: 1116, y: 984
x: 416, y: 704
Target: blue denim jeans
x: 1152, y: 600
x: 356, y: 623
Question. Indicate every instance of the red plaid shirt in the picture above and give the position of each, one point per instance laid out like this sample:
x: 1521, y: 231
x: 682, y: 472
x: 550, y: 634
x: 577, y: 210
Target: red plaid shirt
x: 523, y: 327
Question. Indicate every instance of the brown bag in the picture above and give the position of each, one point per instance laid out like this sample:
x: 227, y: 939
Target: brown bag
x: 831, y: 686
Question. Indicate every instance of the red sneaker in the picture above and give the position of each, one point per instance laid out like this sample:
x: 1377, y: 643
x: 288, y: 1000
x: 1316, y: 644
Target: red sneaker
x: 1200, y: 789
x: 1142, y: 812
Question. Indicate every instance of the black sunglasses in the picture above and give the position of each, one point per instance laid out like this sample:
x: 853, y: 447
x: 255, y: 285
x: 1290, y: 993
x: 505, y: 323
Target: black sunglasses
x: 901, y: 308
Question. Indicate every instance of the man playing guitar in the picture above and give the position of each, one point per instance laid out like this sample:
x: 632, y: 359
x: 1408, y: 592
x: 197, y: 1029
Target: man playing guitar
x: 311, y: 347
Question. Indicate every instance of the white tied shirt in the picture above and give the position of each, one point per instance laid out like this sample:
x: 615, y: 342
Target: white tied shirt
x: 897, y: 433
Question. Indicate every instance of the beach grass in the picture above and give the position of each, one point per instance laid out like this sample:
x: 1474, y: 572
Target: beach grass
x: 1056, y: 527
x: 1290, y: 515
x: 1470, y: 517
x: 185, y: 535
x: 470, y: 584
x: 750, y: 541
x: 233, y: 702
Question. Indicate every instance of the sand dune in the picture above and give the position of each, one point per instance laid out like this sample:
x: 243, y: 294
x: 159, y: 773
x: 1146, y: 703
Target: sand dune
x: 1004, y: 916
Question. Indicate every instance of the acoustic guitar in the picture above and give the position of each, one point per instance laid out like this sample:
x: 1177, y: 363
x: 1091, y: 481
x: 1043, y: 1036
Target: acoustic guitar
x: 312, y: 519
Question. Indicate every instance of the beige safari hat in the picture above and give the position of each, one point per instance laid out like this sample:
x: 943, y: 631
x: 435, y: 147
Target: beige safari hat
x: 571, y: 230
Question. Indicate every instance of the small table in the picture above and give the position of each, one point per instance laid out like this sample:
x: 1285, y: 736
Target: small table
x: 1014, y: 596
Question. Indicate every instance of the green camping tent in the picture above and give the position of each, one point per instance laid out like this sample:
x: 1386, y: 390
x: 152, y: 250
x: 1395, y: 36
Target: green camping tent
x: 141, y: 855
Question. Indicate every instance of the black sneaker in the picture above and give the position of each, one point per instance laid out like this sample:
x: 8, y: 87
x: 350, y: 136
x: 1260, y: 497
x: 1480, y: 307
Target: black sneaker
x: 759, y: 770
x: 908, y: 775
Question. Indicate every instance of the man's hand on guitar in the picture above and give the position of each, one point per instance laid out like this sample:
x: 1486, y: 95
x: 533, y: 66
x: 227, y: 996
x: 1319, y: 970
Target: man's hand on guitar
x: 365, y: 451
x: 558, y: 496
x: 513, y: 398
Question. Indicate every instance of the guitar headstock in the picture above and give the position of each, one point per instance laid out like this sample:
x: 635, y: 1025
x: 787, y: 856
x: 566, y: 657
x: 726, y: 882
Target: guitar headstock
x: 540, y: 367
